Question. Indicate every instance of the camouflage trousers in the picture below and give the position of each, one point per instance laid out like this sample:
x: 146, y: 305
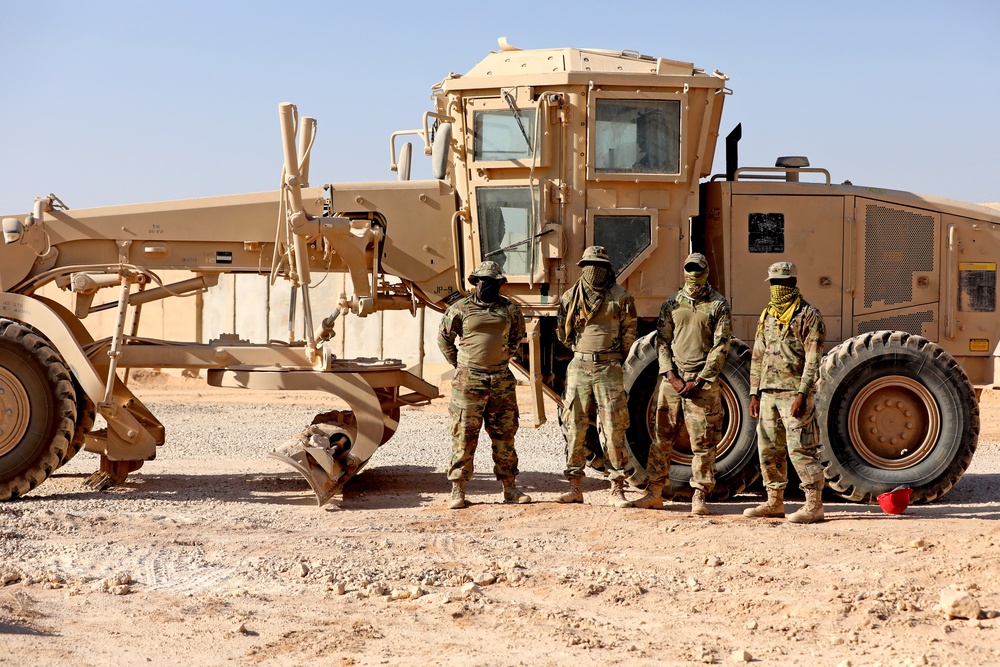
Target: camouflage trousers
x: 483, y: 399
x: 599, y: 382
x: 701, y: 414
x: 778, y: 431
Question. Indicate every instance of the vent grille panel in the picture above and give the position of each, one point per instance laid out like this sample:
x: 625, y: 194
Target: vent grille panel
x: 911, y: 323
x: 897, y: 245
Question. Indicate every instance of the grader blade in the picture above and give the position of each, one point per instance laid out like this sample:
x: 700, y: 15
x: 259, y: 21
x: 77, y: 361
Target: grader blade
x: 321, y: 454
x: 325, y: 475
x: 111, y: 473
x: 337, y: 445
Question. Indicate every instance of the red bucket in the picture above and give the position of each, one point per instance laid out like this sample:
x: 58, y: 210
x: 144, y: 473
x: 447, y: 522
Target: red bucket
x: 895, y: 501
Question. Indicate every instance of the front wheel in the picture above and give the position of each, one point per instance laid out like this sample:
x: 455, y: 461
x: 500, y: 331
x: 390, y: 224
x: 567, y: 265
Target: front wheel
x: 895, y: 409
x: 38, y: 410
x: 737, y: 464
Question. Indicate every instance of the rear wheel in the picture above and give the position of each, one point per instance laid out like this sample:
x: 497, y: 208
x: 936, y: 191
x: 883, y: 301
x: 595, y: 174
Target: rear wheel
x: 896, y: 410
x: 737, y: 463
x: 38, y: 410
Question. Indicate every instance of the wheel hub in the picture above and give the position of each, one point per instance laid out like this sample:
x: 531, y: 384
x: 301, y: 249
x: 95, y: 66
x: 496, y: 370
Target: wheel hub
x: 894, y: 422
x: 15, y: 411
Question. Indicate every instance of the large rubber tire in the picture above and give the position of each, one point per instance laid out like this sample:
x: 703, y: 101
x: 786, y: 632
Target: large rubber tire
x: 85, y: 414
x: 737, y: 463
x: 895, y: 409
x: 38, y: 408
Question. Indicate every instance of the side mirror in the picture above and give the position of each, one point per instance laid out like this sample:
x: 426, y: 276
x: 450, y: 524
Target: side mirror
x: 405, y: 158
x: 13, y: 229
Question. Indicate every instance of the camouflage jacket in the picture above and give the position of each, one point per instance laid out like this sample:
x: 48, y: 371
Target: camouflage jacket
x: 693, y: 337
x: 611, y: 329
x: 788, y: 359
x: 489, y: 334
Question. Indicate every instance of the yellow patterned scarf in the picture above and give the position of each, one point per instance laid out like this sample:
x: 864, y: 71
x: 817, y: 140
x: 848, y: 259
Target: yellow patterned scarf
x: 784, y: 301
x: 587, y: 296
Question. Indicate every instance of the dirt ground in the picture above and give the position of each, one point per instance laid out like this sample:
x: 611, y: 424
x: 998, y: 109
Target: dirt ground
x: 222, y: 557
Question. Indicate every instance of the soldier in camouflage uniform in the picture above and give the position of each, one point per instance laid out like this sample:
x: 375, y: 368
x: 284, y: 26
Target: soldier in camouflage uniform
x: 597, y: 320
x: 693, y: 334
x: 783, y: 371
x: 490, y: 329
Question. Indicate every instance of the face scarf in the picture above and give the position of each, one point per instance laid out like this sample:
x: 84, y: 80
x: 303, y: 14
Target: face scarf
x: 696, y: 284
x: 488, y: 290
x: 784, y: 301
x: 588, y: 295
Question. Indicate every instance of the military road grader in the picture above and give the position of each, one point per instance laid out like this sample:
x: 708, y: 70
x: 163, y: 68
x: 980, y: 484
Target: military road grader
x: 535, y: 155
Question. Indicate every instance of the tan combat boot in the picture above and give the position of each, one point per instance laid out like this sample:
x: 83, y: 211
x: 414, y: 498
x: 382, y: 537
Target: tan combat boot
x: 772, y: 508
x: 511, y: 494
x: 698, y: 506
x: 457, y: 495
x: 812, y: 511
x: 617, y: 497
x: 575, y: 493
x: 653, y: 500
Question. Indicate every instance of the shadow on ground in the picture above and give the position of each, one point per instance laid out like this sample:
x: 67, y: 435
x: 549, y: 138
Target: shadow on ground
x: 388, y: 487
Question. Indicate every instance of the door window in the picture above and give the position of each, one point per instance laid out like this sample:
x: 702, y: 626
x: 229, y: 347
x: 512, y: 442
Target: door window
x: 505, y: 228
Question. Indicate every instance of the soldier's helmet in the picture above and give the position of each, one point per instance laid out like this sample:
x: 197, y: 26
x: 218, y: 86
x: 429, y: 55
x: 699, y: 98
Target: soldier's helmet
x: 596, y: 254
x: 781, y: 270
x: 697, y: 261
x: 488, y: 269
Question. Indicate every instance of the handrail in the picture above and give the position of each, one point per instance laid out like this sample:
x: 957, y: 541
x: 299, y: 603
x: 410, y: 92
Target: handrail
x: 851, y: 254
x: 951, y: 271
x: 424, y: 133
x: 780, y: 170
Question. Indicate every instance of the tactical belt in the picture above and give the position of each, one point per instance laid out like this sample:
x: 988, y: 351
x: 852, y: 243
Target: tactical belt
x: 489, y: 370
x: 598, y: 356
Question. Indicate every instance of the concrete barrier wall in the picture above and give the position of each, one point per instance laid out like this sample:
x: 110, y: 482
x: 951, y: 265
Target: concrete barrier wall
x: 257, y: 311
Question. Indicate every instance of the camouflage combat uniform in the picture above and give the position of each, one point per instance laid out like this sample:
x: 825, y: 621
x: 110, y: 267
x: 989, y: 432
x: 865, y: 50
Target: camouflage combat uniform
x: 692, y: 342
x: 595, y: 375
x: 785, y: 363
x: 483, y: 389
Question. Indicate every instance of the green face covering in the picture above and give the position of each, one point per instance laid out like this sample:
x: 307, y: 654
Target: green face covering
x: 695, y: 283
x: 596, y: 275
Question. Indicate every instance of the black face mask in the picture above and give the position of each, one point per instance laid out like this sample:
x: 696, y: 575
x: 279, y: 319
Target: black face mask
x: 488, y: 290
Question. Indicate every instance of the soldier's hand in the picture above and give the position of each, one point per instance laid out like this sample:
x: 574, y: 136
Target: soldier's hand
x: 754, y: 407
x: 799, y: 406
x: 676, y: 383
x: 689, y: 389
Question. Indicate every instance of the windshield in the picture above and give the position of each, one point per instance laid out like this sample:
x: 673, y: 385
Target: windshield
x: 638, y: 136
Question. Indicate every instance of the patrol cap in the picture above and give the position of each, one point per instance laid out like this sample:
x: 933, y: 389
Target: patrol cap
x: 487, y: 269
x: 698, y: 260
x: 595, y: 254
x: 781, y: 270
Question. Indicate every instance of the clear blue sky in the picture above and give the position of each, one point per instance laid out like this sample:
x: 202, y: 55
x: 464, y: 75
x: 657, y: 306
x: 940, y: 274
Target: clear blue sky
x: 122, y: 102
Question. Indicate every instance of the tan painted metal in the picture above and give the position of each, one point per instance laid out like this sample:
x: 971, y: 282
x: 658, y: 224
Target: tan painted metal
x: 567, y: 168
x: 15, y: 411
x: 894, y: 422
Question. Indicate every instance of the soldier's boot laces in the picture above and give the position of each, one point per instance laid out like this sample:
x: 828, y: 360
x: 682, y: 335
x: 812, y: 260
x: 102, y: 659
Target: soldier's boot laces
x: 512, y: 494
x: 653, y: 500
x: 773, y: 507
x: 812, y: 511
x: 575, y: 493
x: 698, y: 506
x: 457, y: 496
x: 617, y: 497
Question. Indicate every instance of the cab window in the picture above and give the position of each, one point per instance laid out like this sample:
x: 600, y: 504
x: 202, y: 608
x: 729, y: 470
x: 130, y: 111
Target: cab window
x: 624, y: 236
x: 505, y: 221
x: 499, y: 137
x: 638, y: 136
